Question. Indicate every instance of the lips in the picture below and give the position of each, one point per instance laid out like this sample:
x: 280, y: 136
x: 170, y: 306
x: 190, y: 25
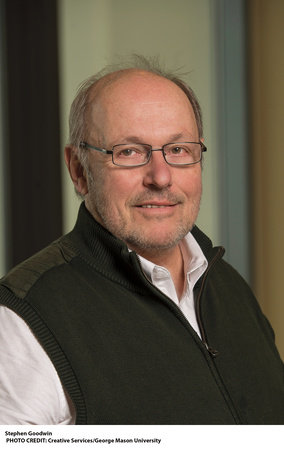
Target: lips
x: 150, y: 205
x: 166, y: 201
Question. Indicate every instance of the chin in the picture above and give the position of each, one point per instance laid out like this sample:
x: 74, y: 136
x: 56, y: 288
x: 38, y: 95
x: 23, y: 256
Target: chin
x: 151, y: 243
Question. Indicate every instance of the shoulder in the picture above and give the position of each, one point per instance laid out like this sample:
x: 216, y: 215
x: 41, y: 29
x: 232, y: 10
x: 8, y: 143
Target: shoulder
x: 22, y: 277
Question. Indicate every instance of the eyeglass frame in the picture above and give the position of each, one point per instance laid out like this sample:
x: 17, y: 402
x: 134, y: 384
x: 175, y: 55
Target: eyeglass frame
x: 85, y: 145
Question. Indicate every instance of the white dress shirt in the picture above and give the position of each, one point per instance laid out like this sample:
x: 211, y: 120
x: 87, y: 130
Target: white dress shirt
x: 31, y: 392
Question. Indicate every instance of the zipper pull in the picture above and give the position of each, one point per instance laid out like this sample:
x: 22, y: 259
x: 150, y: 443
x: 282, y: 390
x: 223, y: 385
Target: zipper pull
x: 213, y: 352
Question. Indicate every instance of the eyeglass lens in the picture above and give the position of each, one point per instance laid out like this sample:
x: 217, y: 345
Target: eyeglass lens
x: 174, y: 153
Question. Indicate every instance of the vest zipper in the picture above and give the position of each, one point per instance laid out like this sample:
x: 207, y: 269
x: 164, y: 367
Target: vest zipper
x: 213, y: 352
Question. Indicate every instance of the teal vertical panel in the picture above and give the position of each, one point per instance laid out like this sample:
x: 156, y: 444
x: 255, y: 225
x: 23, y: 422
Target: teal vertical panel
x: 230, y: 23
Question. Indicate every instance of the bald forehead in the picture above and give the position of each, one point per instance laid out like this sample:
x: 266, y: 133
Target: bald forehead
x: 131, y: 82
x: 137, y: 100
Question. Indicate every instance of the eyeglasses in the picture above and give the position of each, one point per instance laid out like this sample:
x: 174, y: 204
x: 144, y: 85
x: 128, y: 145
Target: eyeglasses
x: 133, y: 155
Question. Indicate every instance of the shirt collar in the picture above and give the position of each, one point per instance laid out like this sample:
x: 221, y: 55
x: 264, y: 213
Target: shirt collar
x: 195, y: 262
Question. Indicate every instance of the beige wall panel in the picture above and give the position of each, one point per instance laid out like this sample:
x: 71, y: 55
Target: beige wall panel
x: 84, y: 43
x: 266, y: 20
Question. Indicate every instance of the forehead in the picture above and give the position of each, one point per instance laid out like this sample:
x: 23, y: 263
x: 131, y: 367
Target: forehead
x: 136, y: 85
x: 138, y: 99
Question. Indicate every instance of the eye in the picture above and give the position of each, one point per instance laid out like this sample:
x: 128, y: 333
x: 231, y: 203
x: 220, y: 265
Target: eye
x: 126, y: 152
x: 179, y: 150
x: 129, y: 154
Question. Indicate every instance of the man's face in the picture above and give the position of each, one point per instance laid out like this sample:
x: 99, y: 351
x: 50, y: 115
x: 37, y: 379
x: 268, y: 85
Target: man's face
x: 150, y: 207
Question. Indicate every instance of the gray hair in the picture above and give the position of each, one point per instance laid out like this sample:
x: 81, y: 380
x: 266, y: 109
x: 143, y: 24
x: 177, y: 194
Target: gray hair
x: 79, y: 108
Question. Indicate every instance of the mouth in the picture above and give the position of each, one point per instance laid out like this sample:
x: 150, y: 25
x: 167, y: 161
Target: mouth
x: 150, y: 205
x: 155, y: 206
x: 158, y: 208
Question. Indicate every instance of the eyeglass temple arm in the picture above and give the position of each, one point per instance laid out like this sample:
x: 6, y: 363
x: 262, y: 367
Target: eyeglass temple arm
x: 203, y: 148
x: 91, y: 147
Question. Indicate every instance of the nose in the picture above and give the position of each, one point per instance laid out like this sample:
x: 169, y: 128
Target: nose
x: 158, y: 173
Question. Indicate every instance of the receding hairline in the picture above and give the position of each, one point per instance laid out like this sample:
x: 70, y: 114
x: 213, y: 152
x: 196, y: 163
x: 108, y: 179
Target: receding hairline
x: 97, y: 91
x: 91, y: 89
x: 101, y: 85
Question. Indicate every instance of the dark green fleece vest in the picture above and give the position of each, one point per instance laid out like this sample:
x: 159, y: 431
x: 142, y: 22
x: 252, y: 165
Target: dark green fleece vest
x: 124, y: 351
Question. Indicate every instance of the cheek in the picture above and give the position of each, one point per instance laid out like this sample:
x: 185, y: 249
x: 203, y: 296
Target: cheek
x: 120, y: 186
x: 190, y: 184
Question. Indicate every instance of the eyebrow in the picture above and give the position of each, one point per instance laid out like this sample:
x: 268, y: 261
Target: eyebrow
x: 172, y: 138
x: 176, y: 137
x: 133, y: 139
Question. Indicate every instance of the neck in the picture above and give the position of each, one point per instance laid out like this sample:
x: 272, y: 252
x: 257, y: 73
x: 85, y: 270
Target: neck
x: 172, y: 260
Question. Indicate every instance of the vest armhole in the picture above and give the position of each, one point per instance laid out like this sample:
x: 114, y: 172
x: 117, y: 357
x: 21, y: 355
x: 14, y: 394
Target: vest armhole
x: 52, y: 348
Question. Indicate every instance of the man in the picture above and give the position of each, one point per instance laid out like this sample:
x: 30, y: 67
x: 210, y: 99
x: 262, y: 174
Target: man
x: 133, y: 317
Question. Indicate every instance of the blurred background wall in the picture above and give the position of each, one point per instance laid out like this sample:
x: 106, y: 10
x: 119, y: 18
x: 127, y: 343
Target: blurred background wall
x: 266, y: 88
x: 230, y: 52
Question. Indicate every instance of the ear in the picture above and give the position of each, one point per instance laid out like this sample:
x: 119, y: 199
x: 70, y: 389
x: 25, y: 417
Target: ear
x: 76, y: 170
